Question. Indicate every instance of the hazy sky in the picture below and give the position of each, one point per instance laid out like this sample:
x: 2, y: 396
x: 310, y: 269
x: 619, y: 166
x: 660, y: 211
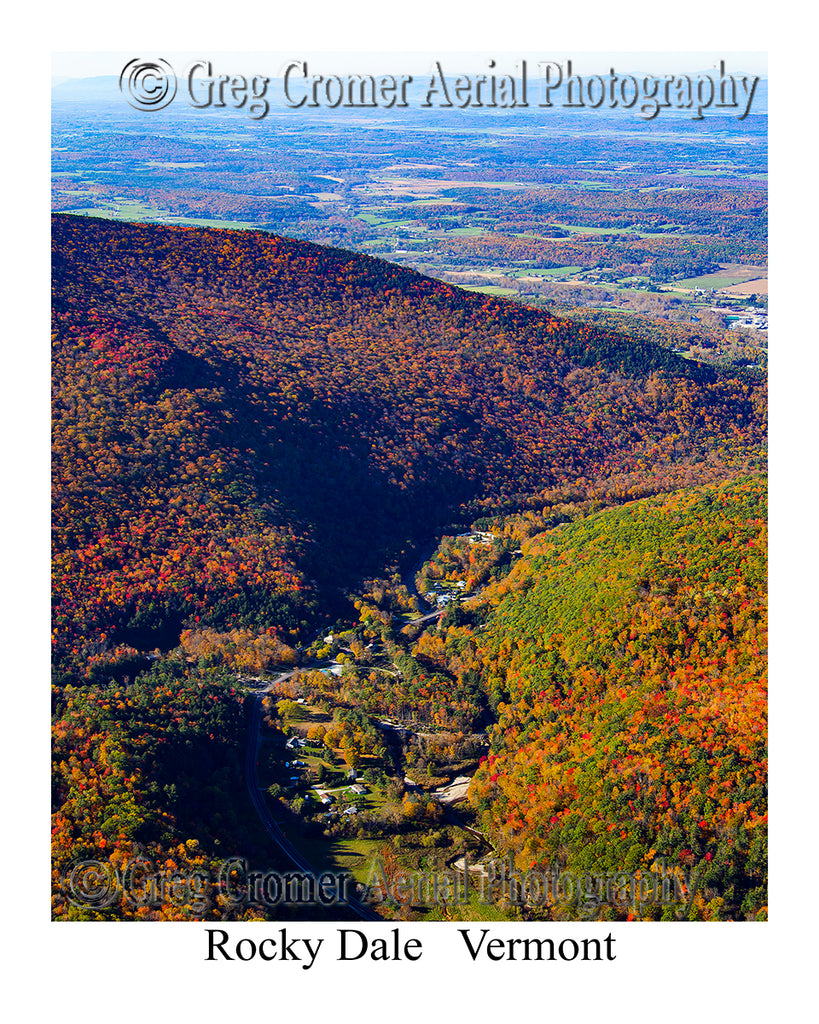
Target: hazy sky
x: 82, y: 65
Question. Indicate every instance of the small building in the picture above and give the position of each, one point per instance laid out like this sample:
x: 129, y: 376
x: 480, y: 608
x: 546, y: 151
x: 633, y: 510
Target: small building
x: 358, y: 788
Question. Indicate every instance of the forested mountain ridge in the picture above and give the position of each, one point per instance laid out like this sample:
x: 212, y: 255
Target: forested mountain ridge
x: 626, y: 657
x: 243, y: 421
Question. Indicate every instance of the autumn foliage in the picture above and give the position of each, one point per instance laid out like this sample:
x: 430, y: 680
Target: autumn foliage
x: 245, y: 426
x: 240, y: 419
x: 627, y: 655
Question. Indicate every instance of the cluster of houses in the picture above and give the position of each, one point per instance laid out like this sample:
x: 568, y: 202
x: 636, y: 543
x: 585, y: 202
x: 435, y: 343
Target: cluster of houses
x: 322, y: 795
x: 443, y: 596
x: 752, y: 322
x: 327, y: 800
x: 444, y: 592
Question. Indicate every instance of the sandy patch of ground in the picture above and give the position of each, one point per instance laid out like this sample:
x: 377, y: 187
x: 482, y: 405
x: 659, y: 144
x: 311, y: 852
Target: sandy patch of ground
x: 429, y: 187
x: 454, y: 792
x: 759, y: 286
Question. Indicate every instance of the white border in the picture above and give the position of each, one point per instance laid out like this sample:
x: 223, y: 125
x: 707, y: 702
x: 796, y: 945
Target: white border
x: 747, y: 972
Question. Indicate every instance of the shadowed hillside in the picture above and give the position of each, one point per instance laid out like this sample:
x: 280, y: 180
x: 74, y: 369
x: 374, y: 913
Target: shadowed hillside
x: 245, y: 424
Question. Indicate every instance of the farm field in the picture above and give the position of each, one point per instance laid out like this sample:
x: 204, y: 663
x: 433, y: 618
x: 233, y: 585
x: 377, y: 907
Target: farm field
x: 728, y: 276
x: 675, y: 212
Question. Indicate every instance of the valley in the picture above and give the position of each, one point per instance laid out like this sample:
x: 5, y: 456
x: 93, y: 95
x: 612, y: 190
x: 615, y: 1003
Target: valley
x: 254, y: 437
